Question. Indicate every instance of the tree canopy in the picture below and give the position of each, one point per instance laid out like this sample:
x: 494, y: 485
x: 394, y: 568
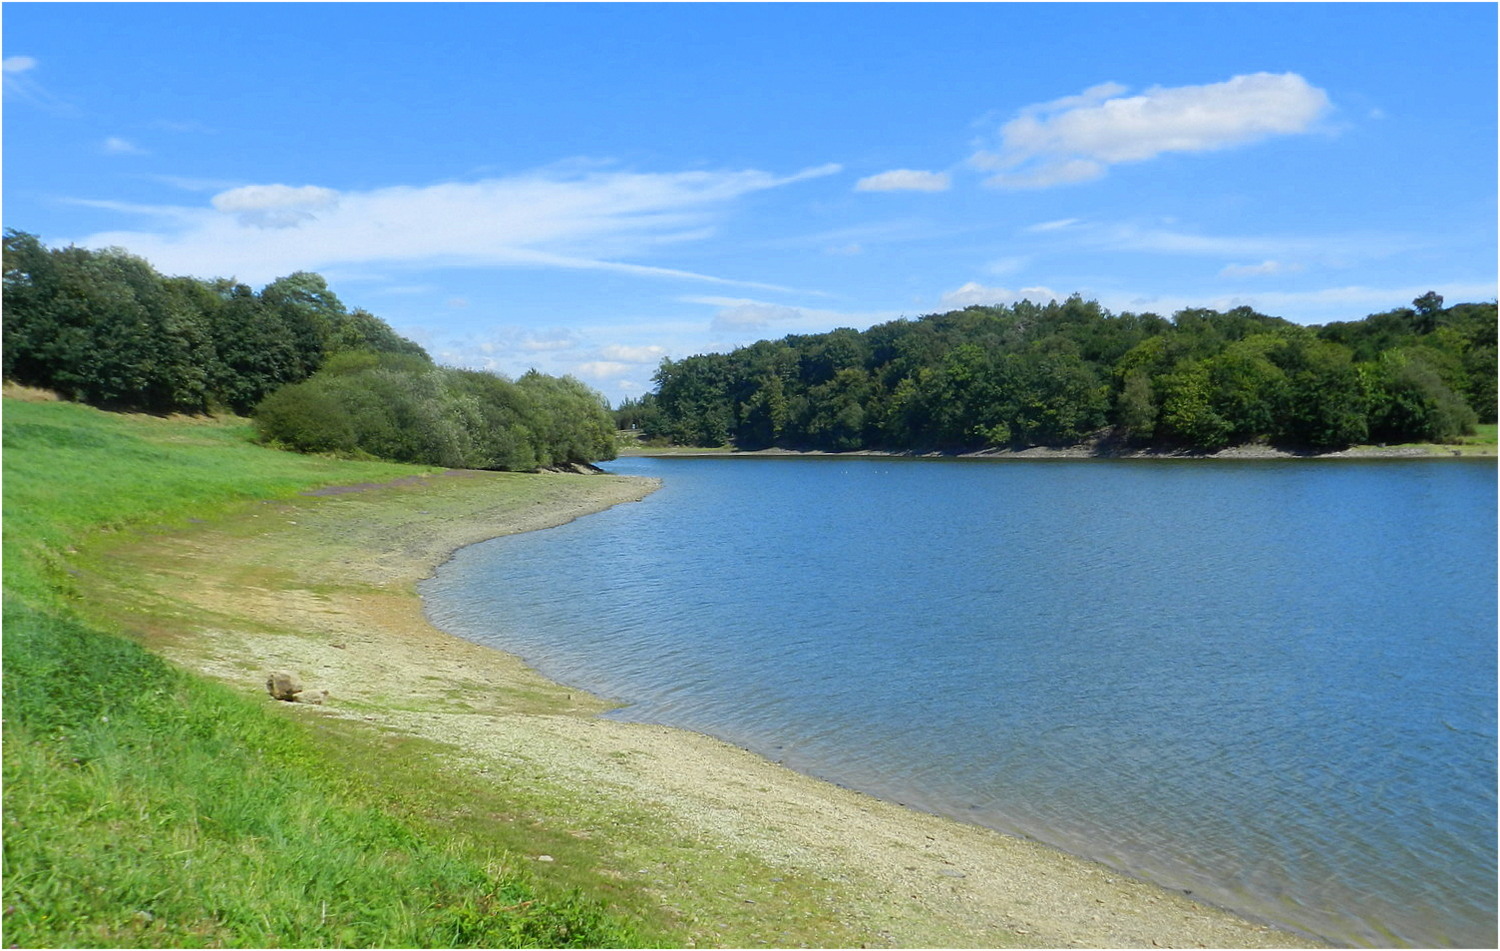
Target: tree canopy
x: 1065, y: 372
x: 103, y: 327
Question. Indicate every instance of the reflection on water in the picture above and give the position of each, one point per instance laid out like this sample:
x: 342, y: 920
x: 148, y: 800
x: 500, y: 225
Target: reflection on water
x: 1272, y: 684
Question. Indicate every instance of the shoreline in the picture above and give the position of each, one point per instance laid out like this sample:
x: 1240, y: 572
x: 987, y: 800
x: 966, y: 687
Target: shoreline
x: 325, y: 585
x: 1045, y: 453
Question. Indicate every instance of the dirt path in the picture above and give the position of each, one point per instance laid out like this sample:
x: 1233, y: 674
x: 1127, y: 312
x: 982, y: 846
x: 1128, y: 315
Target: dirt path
x: 743, y: 851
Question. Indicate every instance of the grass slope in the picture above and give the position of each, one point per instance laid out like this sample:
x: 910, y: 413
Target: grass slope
x: 147, y: 807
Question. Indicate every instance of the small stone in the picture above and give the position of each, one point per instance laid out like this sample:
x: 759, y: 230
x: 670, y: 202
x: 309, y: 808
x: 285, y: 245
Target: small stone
x: 311, y: 696
x: 545, y: 858
x: 282, y: 685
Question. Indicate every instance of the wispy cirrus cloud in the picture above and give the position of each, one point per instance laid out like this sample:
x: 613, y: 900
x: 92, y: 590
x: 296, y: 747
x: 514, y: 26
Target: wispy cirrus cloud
x: 18, y: 81
x: 1060, y: 224
x: 545, y: 219
x: 1077, y: 138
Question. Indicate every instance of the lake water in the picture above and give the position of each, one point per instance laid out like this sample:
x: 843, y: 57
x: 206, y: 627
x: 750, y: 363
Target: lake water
x: 1270, y: 683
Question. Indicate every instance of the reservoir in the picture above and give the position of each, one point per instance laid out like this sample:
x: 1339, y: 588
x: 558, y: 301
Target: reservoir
x: 1269, y: 683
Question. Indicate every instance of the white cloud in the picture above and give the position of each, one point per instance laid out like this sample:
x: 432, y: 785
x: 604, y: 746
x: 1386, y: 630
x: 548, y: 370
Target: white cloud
x: 1263, y: 269
x: 547, y: 341
x: 624, y: 354
x: 275, y: 206
x: 14, y: 65
x: 905, y: 180
x: 1077, y: 138
x: 974, y: 293
x: 617, y: 368
x: 507, y: 349
x: 752, y: 315
x: 548, y: 219
x: 601, y: 369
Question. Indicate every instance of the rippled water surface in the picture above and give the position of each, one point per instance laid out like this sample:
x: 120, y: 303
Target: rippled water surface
x: 1270, y: 683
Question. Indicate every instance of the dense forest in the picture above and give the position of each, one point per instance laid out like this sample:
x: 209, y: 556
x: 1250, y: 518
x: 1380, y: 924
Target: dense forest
x: 105, y: 328
x: 1070, y: 372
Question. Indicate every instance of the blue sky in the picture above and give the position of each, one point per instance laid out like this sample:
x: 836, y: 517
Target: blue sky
x: 587, y: 188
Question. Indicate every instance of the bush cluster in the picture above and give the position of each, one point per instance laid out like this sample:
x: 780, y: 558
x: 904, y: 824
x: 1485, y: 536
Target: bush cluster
x: 407, y: 410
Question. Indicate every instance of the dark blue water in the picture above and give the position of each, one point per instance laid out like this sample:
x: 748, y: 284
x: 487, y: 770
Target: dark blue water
x: 1270, y: 683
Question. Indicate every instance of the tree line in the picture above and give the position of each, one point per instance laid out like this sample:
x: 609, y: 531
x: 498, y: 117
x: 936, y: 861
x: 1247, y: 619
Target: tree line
x: 105, y: 328
x: 1067, y: 372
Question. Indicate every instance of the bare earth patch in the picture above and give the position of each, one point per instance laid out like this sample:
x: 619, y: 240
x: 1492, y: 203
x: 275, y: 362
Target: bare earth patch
x: 741, y: 851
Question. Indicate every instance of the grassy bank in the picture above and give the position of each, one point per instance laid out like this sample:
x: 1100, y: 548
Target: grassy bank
x: 144, y: 806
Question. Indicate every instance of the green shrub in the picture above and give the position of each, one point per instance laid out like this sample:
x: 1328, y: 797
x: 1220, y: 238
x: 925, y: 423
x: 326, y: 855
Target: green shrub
x: 1410, y: 401
x: 395, y: 408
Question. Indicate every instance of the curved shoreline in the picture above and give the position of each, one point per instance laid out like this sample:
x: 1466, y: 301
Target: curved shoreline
x: 325, y: 585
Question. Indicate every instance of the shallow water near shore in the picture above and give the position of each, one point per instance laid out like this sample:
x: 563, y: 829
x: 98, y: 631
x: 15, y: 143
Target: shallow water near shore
x: 1269, y: 683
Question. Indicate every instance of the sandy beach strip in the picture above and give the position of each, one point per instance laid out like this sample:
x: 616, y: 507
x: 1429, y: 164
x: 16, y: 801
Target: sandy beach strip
x: 742, y: 852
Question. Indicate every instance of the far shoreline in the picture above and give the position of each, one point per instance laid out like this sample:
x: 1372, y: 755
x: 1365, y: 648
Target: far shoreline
x: 1250, y: 453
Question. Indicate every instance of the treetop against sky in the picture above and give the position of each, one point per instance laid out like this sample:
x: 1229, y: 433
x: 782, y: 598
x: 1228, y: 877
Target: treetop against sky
x: 587, y: 188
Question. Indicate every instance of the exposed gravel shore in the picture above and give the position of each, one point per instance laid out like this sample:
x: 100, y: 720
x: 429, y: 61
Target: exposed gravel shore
x: 325, y: 586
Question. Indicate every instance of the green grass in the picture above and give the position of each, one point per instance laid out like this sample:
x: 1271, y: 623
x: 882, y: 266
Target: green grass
x: 1485, y: 434
x: 145, y: 807
x: 1482, y: 442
